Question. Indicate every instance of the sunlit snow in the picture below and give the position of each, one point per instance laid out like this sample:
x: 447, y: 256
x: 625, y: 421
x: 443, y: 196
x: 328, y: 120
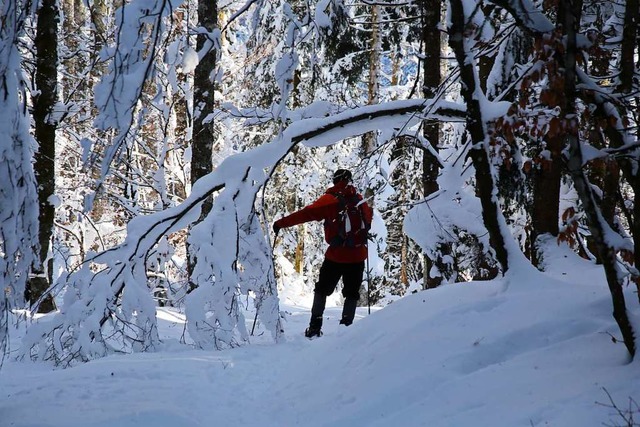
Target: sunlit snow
x: 539, y: 353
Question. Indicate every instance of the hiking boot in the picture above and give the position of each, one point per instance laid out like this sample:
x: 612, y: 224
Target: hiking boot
x: 348, y: 311
x: 345, y: 322
x: 312, y: 332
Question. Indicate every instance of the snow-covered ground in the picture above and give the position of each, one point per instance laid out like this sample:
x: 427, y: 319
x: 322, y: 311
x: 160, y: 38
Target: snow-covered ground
x: 535, y: 351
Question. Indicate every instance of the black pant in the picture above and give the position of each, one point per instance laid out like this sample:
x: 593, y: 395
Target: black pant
x: 330, y: 274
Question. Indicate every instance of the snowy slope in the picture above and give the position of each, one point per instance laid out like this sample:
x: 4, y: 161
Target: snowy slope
x: 536, y: 354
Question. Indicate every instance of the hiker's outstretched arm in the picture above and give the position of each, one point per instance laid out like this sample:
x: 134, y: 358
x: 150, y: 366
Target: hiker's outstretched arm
x: 317, y: 211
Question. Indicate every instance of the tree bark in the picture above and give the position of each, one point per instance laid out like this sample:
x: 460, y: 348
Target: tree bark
x: 432, y: 41
x: 203, y: 105
x: 46, y: 79
x: 568, y: 18
x: 369, y: 139
x: 298, y: 261
x: 627, y: 166
x: 547, y: 176
x: 630, y: 38
x: 630, y: 42
x: 485, y: 186
x: 546, y: 195
x: 203, y: 96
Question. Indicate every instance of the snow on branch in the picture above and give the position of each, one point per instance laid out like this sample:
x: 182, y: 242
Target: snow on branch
x: 138, y: 37
x: 480, y: 113
x: 18, y: 196
x: 527, y: 15
x: 108, y: 306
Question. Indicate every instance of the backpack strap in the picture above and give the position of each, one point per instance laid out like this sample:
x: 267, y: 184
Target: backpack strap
x: 341, y: 199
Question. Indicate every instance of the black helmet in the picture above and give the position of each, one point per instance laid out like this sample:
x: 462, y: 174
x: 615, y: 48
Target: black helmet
x: 341, y: 175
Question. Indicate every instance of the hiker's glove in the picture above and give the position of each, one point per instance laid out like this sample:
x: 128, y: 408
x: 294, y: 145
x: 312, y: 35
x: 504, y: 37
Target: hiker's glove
x: 276, y: 227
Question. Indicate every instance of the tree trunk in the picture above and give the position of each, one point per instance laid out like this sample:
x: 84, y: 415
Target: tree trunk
x: 46, y: 79
x: 485, y: 186
x: 547, y: 176
x: 606, y: 175
x: 298, y: 262
x: 99, y: 13
x: 635, y: 230
x: 404, y: 260
x: 203, y: 101
x: 630, y: 38
x: 369, y: 139
x: 628, y: 168
x: 568, y: 17
x: 631, y: 42
x: 203, y: 105
x: 432, y: 41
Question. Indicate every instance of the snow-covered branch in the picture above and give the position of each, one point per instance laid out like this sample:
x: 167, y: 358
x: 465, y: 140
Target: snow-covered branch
x: 526, y: 14
x: 138, y: 38
x: 18, y: 196
x: 479, y: 113
x: 114, y: 303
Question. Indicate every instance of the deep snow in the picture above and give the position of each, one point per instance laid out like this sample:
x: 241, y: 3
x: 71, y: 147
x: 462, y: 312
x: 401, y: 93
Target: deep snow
x: 536, y: 351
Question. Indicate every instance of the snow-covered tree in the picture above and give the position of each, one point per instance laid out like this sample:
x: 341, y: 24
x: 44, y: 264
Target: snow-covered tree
x: 18, y: 195
x: 525, y: 105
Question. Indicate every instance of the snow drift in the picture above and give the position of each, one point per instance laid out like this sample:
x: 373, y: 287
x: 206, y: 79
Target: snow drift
x: 535, y: 351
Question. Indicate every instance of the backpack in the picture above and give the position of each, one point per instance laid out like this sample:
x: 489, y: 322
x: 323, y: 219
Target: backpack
x: 348, y: 228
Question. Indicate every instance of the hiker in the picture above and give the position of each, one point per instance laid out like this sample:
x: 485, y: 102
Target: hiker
x: 347, y: 219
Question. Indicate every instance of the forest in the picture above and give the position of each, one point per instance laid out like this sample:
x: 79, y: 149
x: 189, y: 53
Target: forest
x: 148, y: 145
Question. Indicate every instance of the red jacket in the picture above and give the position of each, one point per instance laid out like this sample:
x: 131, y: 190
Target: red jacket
x: 325, y: 208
